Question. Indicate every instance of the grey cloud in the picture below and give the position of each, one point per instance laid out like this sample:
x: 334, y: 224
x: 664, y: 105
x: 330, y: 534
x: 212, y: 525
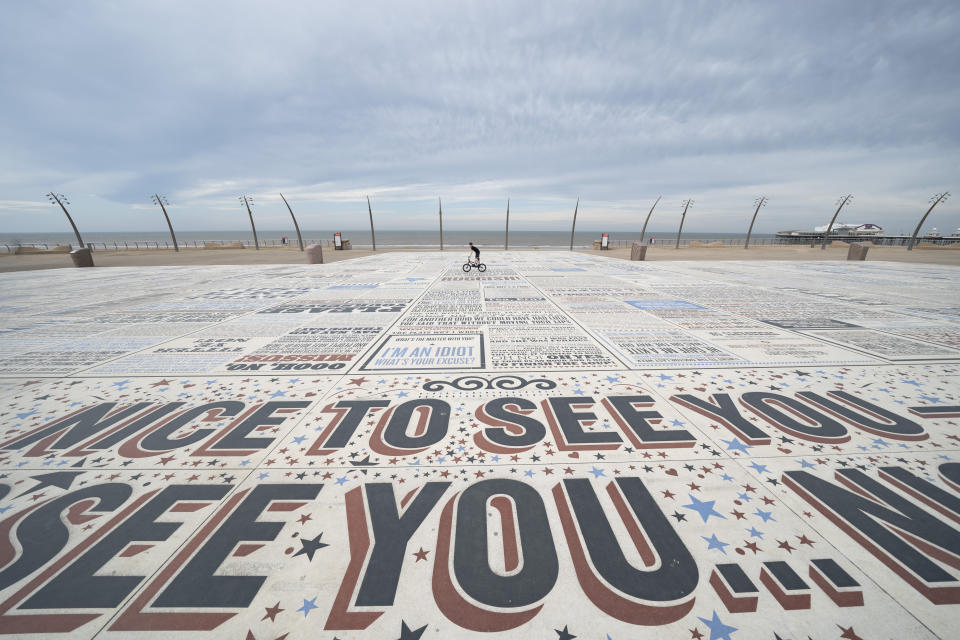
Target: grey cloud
x: 611, y: 101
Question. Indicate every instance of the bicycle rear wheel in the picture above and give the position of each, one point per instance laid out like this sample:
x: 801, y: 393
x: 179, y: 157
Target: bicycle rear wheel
x: 466, y: 267
x: 481, y: 267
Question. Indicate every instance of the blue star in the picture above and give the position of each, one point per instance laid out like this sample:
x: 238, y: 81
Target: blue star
x: 21, y: 416
x: 294, y: 380
x: 277, y: 394
x: 528, y: 473
x: 402, y: 394
x: 766, y: 515
x: 341, y: 480
x: 754, y: 533
x: 677, y: 423
x: 806, y: 465
x: 727, y: 477
x: 736, y: 445
x: 714, y: 543
x: 744, y: 496
x: 598, y: 472
x: 578, y: 391
x: 880, y: 442
x: 760, y: 468
x: 913, y: 382
x: 244, y: 463
x: 263, y: 475
x: 494, y: 458
x: 299, y: 439
x: 665, y: 377
x: 704, y: 508
x: 613, y: 378
x: 6, y: 508
x: 718, y: 630
x: 308, y: 605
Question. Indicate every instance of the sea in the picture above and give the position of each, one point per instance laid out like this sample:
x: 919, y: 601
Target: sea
x: 385, y: 239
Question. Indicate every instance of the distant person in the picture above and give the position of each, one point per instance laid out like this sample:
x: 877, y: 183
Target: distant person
x: 653, y: 240
x: 475, y: 258
x: 283, y: 240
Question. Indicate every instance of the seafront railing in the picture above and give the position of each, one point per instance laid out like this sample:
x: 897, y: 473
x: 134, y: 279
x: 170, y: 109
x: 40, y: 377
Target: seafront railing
x: 657, y: 241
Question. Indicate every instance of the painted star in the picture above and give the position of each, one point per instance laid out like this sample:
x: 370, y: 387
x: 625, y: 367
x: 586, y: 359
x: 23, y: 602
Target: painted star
x: 713, y: 542
x: 704, y: 508
x: 272, y: 612
x: 310, y: 547
x: 848, y: 633
x: 420, y: 555
x: 59, y: 479
x: 564, y: 634
x: 718, y: 630
x: 407, y: 634
x: 308, y: 606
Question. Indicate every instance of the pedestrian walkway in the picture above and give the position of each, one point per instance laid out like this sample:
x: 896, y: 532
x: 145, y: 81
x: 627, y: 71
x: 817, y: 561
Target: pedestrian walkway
x: 562, y: 446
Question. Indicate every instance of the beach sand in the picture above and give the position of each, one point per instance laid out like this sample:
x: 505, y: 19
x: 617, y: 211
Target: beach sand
x: 277, y: 255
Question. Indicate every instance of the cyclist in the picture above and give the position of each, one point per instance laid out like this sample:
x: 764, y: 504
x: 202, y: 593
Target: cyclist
x: 475, y: 259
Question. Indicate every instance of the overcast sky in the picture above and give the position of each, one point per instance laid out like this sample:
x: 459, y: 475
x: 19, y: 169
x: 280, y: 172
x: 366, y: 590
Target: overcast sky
x: 615, y: 103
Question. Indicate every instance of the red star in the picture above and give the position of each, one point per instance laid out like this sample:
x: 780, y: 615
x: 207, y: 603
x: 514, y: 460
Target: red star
x: 740, y: 515
x: 303, y: 519
x: 668, y: 494
x: 752, y: 546
x: 420, y: 555
x: 272, y: 612
x: 357, y: 381
x: 848, y: 633
x: 694, y: 486
x: 805, y: 540
x: 695, y: 634
x: 786, y: 546
x: 162, y: 383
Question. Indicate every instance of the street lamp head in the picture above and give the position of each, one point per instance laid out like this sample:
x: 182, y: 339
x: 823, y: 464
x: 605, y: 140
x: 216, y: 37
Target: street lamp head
x: 939, y: 196
x: 761, y: 201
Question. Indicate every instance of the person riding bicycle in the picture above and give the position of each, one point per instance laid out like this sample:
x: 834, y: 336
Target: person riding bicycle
x: 475, y: 259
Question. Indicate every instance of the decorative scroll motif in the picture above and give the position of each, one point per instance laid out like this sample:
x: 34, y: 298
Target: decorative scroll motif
x: 505, y: 383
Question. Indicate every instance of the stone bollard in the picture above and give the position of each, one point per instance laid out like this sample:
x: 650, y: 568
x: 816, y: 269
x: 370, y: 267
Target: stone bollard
x: 314, y: 254
x: 857, y: 252
x: 638, y: 251
x: 81, y: 258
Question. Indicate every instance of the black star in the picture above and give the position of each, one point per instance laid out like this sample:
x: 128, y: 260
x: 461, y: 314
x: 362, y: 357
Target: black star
x: 407, y: 634
x: 679, y: 516
x: 564, y: 635
x: 310, y: 547
x: 59, y: 479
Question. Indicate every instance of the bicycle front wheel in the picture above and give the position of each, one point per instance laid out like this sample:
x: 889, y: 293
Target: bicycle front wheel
x: 466, y: 268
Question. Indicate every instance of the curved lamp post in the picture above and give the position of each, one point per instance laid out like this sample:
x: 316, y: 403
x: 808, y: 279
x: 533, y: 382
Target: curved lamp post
x: 441, y: 224
x: 572, y: 229
x: 644, y: 230
x: 59, y: 198
x: 842, y: 202
x: 686, y: 205
x: 373, y: 238
x: 162, y: 201
x: 295, y: 225
x: 244, y: 200
x: 760, y: 202
x: 506, y: 237
x: 936, y: 199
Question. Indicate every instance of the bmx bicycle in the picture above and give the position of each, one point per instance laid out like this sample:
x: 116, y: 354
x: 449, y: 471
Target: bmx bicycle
x: 469, y: 264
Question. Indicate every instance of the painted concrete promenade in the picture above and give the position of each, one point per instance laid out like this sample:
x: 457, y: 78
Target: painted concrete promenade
x: 563, y: 446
